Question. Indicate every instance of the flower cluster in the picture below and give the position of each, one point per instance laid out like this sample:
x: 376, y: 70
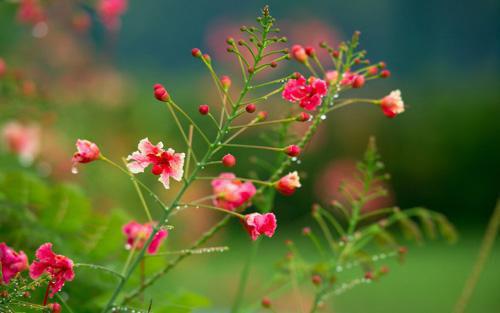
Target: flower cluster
x: 307, y: 92
x: 58, y: 269
x: 230, y: 192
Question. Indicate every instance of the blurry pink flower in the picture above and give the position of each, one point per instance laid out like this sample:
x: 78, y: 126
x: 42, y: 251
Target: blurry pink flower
x: 298, y: 53
x: 392, y: 104
x: 58, y: 267
x: 308, y: 93
x: 87, y: 152
x: 3, y: 67
x: 225, y: 81
x: 230, y: 192
x: 54, y: 307
x: 288, y: 184
x: 110, y: 12
x: 343, y: 173
x: 165, y: 163
x: 23, y: 140
x: 260, y: 224
x: 11, y: 262
x: 331, y: 77
x: 30, y: 12
x: 137, y: 234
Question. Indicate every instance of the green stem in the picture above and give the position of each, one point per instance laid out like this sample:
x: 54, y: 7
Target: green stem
x: 261, y: 182
x: 238, y: 301
x: 280, y: 121
x: 100, y: 268
x: 211, y: 207
x: 141, y: 196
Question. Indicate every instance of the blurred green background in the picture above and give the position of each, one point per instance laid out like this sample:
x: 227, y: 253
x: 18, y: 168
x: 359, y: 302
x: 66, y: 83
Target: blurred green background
x: 442, y: 153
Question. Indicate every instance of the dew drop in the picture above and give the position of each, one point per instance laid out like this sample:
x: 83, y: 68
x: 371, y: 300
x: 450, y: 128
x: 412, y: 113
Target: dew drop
x: 294, y: 159
x: 323, y: 117
x: 74, y: 170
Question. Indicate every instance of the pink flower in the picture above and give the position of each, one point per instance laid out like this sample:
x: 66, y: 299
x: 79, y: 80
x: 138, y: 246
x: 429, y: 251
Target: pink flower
x: 392, y: 104
x: 30, y: 12
x: 110, y: 12
x: 87, y: 152
x: 331, y: 77
x: 58, y: 267
x: 230, y: 192
x: 260, y: 224
x: 23, y: 140
x: 166, y: 164
x: 137, y: 234
x: 308, y: 93
x: 11, y: 262
x: 299, y: 53
x: 288, y: 184
x: 3, y: 67
x: 54, y: 307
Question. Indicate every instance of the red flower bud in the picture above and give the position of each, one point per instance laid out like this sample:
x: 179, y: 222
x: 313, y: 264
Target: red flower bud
x: 373, y: 70
x: 310, y: 51
x: 303, y: 117
x: 207, y: 58
x: 336, y: 54
x: 292, y: 150
x: 266, y: 302
x: 230, y: 40
x: 196, y: 52
x: 203, y: 109
x: 228, y: 160
x: 161, y: 93
x: 274, y: 64
x: 157, y: 169
x: 316, y: 280
x: 54, y: 307
x: 384, y: 270
x: 225, y: 81
x: 369, y: 275
x: 250, y: 108
x: 382, y: 65
x: 306, y: 231
x: 385, y: 73
x: 358, y: 82
x: 262, y: 115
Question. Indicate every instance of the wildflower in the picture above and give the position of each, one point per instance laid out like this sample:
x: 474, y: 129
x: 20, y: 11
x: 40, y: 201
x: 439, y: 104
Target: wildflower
x: 292, y: 150
x: 310, y: 51
x: 23, y: 140
x: 230, y: 192
x: 110, y: 11
x: 11, y: 262
x: 288, y: 184
x: 166, y: 164
x: 229, y: 160
x: 87, y: 152
x: 203, y: 109
x: 161, y: 93
x: 385, y: 73
x: 30, y: 12
x: 137, y: 234
x: 392, y: 104
x: 58, y: 267
x: 299, y: 53
x: 260, y: 224
x: 331, y: 77
x: 308, y: 93
x: 358, y: 82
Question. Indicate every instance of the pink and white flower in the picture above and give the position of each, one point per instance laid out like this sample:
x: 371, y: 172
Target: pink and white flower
x: 288, y: 184
x: 231, y: 193
x: 11, y: 262
x: 166, y: 163
x: 258, y: 224
x: 110, y: 12
x: 308, y: 93
x: 58, y: 267
x: 87, y: 151
x: 392, y: 104
x: 23, y: 140
x: 137, y: 234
